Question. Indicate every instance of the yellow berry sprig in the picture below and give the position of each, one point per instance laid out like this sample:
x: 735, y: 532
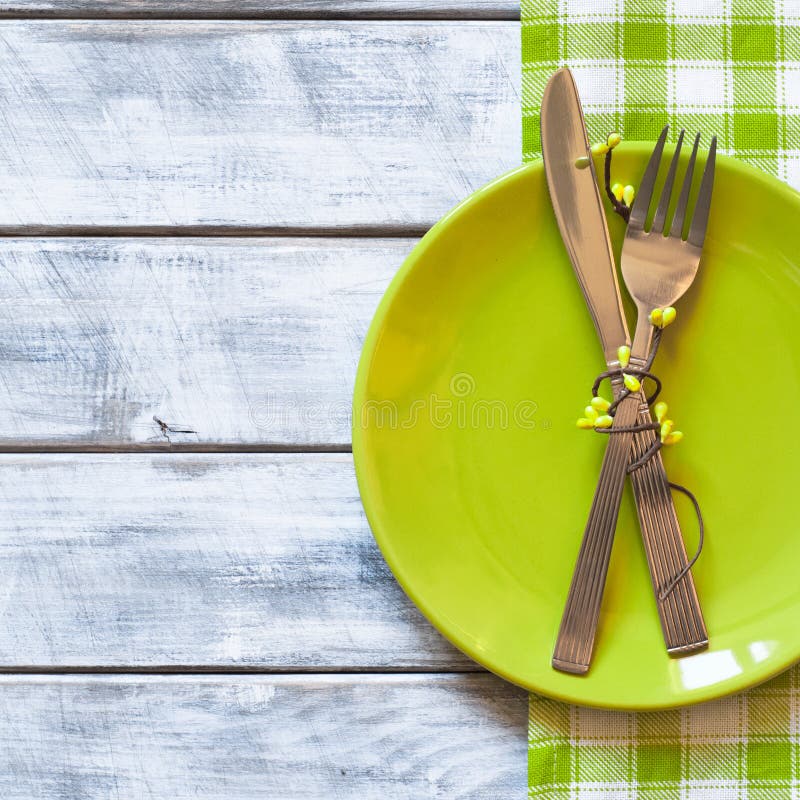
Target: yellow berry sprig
x: 661, y: 317
x: 632, y: 383
x: 621, y: 196
x: 668, y: 434
x: 594, y: 415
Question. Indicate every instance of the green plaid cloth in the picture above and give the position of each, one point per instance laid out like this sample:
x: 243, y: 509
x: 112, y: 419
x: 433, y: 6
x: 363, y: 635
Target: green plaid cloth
x: 730, y: 67
x: 743, y: 747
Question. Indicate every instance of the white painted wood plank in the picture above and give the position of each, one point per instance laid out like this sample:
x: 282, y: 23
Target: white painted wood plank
x: 254, y: 124
x: 420, y: 9
x: 281, y: 738
x: 243, y: 341
x: 224, y: 561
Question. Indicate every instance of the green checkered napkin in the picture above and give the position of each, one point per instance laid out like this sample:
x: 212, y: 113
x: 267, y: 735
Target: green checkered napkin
x: 743, y: 747
x: 730, y: 67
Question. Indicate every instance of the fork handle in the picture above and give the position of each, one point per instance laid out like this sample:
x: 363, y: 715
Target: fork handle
x: 681, y: 616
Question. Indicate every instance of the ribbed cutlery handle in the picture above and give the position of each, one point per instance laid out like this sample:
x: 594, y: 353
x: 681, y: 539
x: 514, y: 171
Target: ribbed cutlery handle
x: 575, y: 642
x: 679, y: 611
x: 681, y: 617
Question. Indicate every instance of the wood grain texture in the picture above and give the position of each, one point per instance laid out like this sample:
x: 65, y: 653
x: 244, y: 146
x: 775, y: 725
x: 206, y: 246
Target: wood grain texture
x: 252, y: 124
x: 241, y: 341
x: 318, y: 9
x: 277, y: 738
x: 221, y: 561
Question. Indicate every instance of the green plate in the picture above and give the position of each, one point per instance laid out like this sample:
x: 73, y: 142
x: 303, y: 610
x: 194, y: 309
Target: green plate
x: 477, y: 483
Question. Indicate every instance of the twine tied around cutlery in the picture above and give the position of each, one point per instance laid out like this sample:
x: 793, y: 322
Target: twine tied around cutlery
x: 642, y: 374
x: 621, y: 200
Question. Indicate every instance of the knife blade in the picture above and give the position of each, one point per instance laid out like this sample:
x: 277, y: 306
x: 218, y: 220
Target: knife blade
x: 578, y: 206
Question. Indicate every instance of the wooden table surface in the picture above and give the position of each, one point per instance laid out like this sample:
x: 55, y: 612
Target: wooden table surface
x: 201, y: 205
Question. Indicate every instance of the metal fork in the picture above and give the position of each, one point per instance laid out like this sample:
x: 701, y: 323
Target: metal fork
x: 658, y: 266
x: 657, y: 269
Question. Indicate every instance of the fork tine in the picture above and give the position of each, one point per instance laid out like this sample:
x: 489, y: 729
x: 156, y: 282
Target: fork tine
x: 697, y: 232
x: 683, y: 199
x: 666, y: 192
x: 642, y: 202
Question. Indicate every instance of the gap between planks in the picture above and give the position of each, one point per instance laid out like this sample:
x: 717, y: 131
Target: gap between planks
x: 231, y: 448
x: 412, y: 15
x: 200, y: 669
x: 210, y: 232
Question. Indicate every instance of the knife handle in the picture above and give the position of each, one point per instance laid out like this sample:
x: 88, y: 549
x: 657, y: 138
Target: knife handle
x: 576, y: 635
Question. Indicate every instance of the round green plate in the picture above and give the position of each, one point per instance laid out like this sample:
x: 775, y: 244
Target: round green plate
x: 477, y: 483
